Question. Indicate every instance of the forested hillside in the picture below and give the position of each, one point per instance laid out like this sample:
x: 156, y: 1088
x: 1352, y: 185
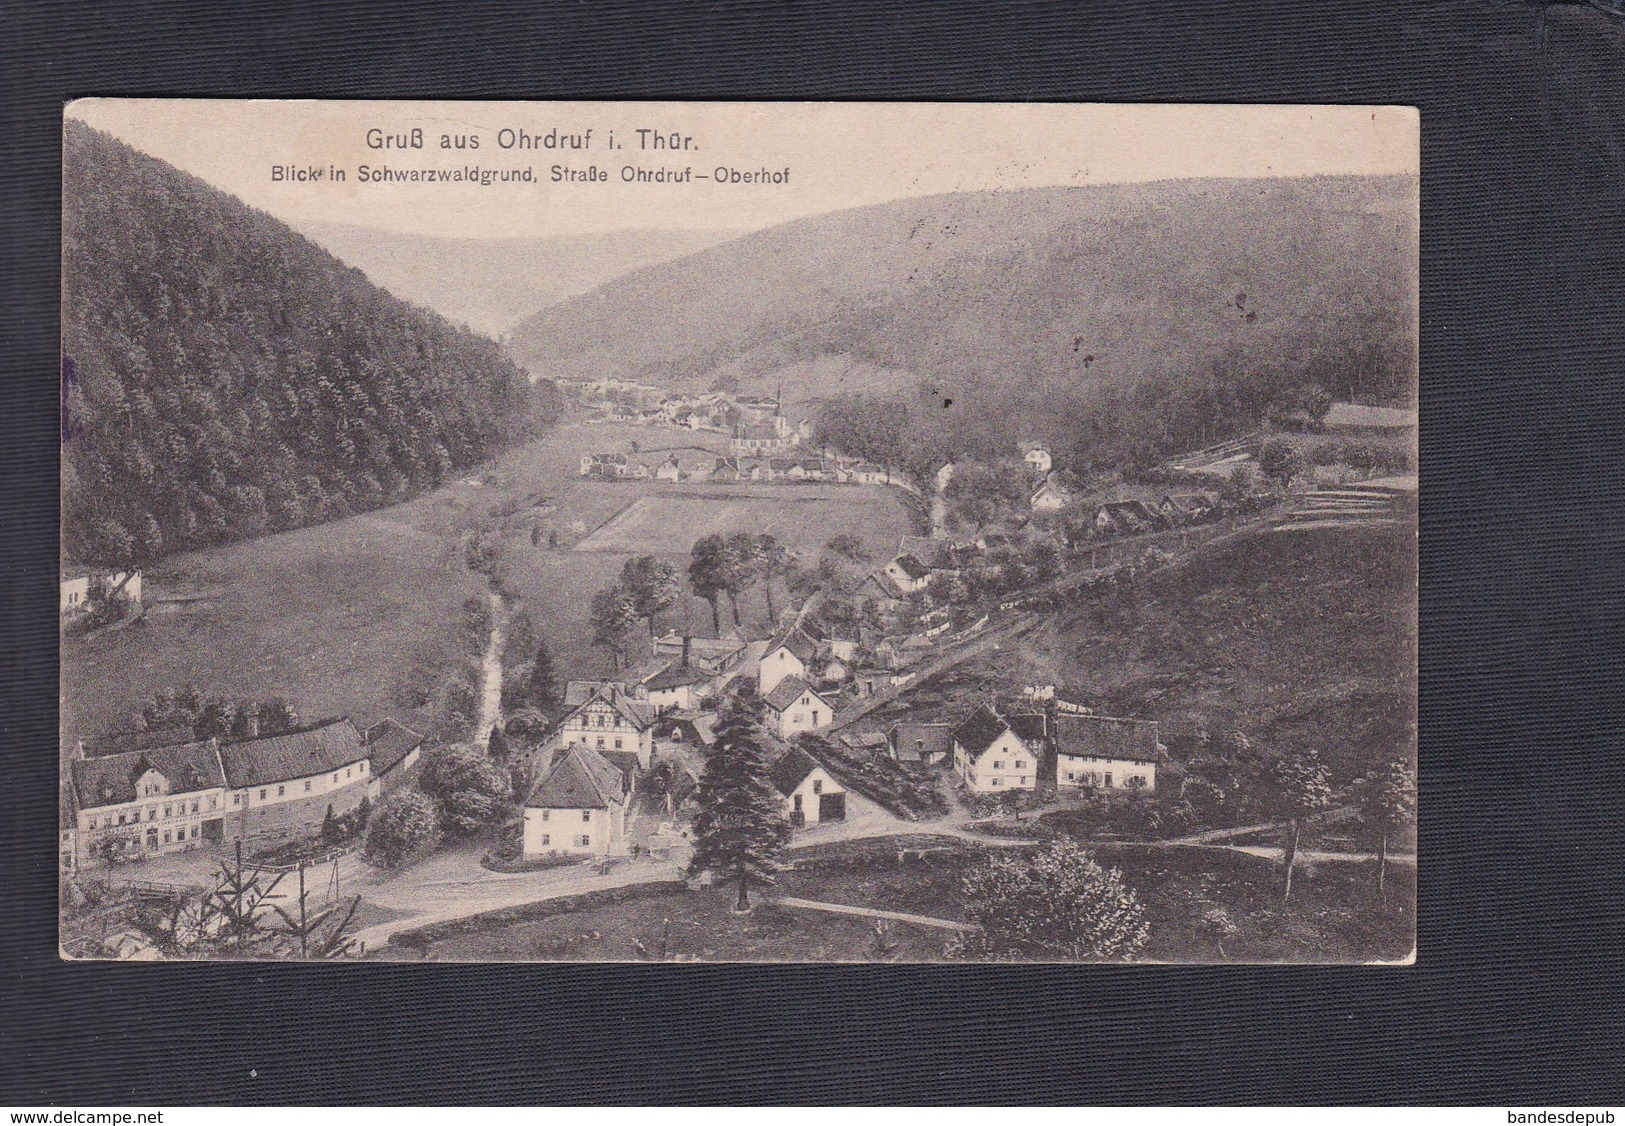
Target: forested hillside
x: 224, y: 377
x: 1104, y: 317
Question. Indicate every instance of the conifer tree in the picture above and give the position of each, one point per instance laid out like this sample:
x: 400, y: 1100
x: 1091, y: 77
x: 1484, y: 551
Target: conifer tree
x: 740, y: 830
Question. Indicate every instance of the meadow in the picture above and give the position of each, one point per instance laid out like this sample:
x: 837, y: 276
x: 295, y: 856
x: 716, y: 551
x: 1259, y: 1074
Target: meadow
x: 354, y: 616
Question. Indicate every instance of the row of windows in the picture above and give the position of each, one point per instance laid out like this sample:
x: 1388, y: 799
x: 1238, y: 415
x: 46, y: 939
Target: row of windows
x: 583, y: 841
x: 999, y: 765
x: 586, y: 814
x: 174, y: 809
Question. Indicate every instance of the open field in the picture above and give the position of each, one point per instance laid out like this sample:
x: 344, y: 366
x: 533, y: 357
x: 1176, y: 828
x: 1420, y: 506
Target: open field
x: 1335, y: 915
x: 345, y: 617
x: 335, y: 618
x: 669, y: 523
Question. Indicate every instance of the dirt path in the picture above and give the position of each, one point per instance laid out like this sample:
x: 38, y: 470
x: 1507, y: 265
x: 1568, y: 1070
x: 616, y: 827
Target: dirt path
x: 491, y: 675
x: 875, y: 913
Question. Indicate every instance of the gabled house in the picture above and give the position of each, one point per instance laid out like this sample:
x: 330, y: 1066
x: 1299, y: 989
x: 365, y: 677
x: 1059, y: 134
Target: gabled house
x: 392, y: 750
x: 578, y: 806
x: 811, y: 793
x: 791, y: 654
x: 676, y: 688
x: 908, y: 573
x: 990, y: 758
x: 793, y: 708
x: 1049, y: 497
x: 607, y: 466
x: 928, y: 743
x: 611, y: 720
x: 691, y: 728
x: 1127, y: 517
x: 1105, y: 752
x: 1036, y: 457
x: 147, y: 801
x: 283, y: 786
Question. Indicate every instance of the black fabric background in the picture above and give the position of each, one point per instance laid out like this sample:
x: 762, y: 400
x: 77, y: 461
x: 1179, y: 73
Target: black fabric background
x: 1519, y: 993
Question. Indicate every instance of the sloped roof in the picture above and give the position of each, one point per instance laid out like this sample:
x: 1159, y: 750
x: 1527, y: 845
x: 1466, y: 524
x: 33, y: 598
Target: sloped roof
x: 1355, y: 415
x: 1130, y: 740
x: 977, y: 733
x: 675, y: 677
x: 119, y: 741
x: 581, y: 779
x: 928, y: 551
x: 389, y: 742
x: 787, y: 692
x: 298, y: 754
x: 627, y: 762
x: 111, y: 779
x: 911, y: 566
x: 792, y: 769
x: 1031, y: 728
x: 804, y: 647
x: 913, y: 742
x: 639, y: 713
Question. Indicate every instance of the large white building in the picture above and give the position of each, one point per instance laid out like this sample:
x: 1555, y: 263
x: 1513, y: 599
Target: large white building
x: 793, y: 708
x: 811, y: 793
x: 578, y: 807
x: 990, y: 757
x: 1105, y: 753
x: 611, y: 720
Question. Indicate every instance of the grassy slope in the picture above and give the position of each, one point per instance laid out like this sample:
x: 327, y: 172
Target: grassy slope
x: 341, y: 617
x: 1300, y: 639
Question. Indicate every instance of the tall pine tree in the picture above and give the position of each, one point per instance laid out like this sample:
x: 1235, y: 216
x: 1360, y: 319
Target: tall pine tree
x: 740, y: 830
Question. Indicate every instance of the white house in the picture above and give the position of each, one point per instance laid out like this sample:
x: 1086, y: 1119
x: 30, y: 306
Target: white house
x: 793, y: 707
x: 811, y: 793
x: 1049, y: 497
x: 143, y: 802
x: 1105, y: 752
x: 76, y: 586
x: 392, y: 751
x: 787, y: 656
x: 578, y: 807
x: 1037, y: 458
x: 611, y: 720
x: 676, y: 687
x: 990, y: 758
x: 928, y: 743
x: 908, y: 573
x: 282, y: 786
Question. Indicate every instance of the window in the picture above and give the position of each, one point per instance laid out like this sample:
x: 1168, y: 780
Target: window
x: 600, y: 742
x: 815, y: 717
x: 544, y: 815
x: 335, y: 778
x: 92, y: 822
x: 1020, y: 765
x: 307, y: 785
x: 362, y: 767
x: 818, y: 787
x: 168, y: 811
x: 798, y: 803
x: 996, y: 781
x: 166, y: 836
x: 586, y: 815
x: 262, y: 795
x: 1108, y: 780
x: 194, y: 832
x: 1022, y: 781
x: 546, y: 840
x: 194, y: 804
x: 617, y: 743
x: 152, y: 813
x: 281, y: 790
x: 346, y: 771
x: 1071, y: 776
x: 121, y: 819
x: 236, y: 799
x: 998, y: 765
x: 585, y: 841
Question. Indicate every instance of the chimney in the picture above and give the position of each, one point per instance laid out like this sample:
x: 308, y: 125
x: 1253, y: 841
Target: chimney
x: 687, y: 645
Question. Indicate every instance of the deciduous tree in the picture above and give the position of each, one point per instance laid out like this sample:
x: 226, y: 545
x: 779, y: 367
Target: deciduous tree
x: 1300, y: 787
x: 1056, y: 900
x: 1387, y: 798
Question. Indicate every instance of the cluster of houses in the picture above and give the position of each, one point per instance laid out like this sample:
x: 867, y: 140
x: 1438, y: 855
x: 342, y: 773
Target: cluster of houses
x: 147, y: 793
x: 691, y: 463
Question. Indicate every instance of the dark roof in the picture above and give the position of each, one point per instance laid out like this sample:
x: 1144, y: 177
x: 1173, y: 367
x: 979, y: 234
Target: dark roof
x: 911, y: 566
x: 1031, y: 728
x: 627, y: 762
x: 698, y: 726
x: 912, y: 742
x: 119, y: 741
x: 804, y: 647
x: 786, y: 692
x: 581, y: 779
x: 675, y: 677
x: 979, y: 730
x: 1130, y: 740
x: 791, y: 769
x: 388, y: 743
x: 639, y: 713
x: 111, y: 779
x: 298, y: 754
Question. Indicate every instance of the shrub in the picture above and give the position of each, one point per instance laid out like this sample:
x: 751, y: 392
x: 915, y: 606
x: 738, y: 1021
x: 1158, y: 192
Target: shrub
x: 1056, y: 900
x: 405, y: 826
